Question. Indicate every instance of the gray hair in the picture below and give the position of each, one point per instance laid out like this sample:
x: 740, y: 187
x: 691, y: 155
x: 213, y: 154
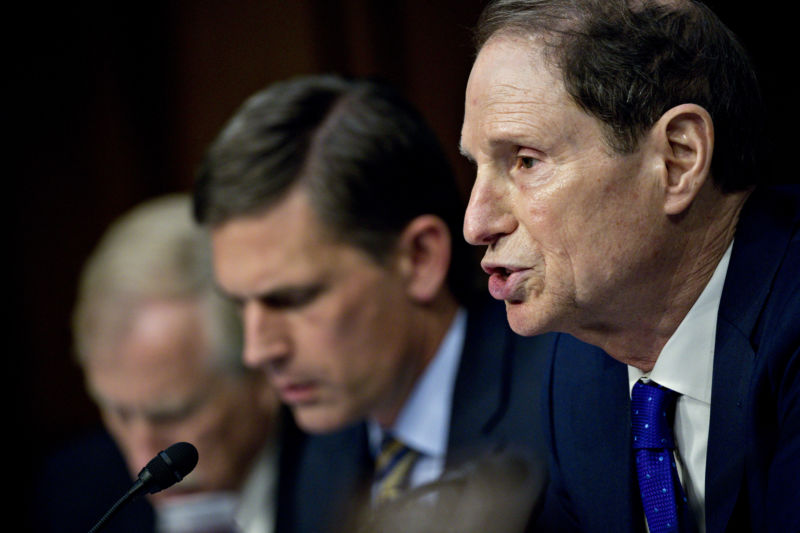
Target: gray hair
x: 155, y: 251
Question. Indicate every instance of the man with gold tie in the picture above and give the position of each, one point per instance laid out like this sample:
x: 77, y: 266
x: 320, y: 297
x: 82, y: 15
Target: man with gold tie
x: 335, y: 224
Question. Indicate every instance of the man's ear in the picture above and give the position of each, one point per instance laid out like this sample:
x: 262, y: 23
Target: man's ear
x: 685, y: 135
x: 424, y: 251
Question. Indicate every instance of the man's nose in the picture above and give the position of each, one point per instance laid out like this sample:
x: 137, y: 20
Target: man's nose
x: 488, y: 217
x: 143, y: 442
x: 266, y: 338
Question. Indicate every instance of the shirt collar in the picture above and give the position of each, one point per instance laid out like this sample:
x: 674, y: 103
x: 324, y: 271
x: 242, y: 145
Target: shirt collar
x: 424, y: 420
x: 259, y: 487
x: 686, y: 362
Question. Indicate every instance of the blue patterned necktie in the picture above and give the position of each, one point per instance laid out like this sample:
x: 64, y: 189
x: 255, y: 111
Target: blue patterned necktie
x: 392, y: 469
x: 663, y: 499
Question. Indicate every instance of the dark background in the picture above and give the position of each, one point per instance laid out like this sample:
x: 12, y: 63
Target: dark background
x: 113, y: 103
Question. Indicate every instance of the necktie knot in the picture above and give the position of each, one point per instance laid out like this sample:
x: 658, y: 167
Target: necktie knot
x: 392, y: 468
x: 652, y: 416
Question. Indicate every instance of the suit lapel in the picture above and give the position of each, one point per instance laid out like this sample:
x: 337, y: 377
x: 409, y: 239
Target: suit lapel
x: 591, y: 422
x: 760, y: 242
x: 733, y: 366
x: 322, y: 478
x: 480, y: 396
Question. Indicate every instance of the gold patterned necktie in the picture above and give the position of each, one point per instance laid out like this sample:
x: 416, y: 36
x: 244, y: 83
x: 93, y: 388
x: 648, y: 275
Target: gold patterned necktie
x: 392, y: 468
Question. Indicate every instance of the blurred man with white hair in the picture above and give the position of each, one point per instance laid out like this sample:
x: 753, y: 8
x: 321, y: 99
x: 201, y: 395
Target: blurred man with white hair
x: 161, y: 355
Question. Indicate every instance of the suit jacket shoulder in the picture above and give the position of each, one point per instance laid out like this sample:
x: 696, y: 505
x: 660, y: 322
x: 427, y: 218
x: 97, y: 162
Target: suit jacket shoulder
x: 753, y: 466
x: 79, y: 482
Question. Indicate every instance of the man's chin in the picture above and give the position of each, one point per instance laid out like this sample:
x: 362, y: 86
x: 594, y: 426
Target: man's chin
x: 523, y: 319
x: 319, y: 420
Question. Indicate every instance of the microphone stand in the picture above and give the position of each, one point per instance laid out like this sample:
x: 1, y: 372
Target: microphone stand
x: 130, y: 495
x: 163, y: 471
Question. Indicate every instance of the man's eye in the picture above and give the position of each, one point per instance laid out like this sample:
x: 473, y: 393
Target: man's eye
x: 294, y: 298
x: 526, y: 162
x: 119, y: 416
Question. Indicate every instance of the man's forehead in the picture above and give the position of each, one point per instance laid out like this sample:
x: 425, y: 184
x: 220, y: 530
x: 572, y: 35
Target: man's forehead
x: 286, y: 227
x: 513, y: 93
x: 292, y: 213
x: 284, y: 248
x: 147, y: 389
x: 509, y: 67
x: 164, y: 364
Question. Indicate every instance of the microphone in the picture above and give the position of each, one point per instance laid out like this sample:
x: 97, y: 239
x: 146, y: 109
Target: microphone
x: 163, y: 471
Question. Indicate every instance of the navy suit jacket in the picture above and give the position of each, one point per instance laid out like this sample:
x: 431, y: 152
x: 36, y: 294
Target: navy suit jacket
x: 753, y: 462
x: 495, y: 405
x: 79, y: 482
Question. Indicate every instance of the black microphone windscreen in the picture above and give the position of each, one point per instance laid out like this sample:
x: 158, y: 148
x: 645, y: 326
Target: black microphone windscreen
x: 170, y: 466
x: 163, y: 471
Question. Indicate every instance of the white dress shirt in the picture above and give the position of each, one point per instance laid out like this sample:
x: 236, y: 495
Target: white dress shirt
x: 686, y: 365
x: 255, y: 512
x: 424, y: 421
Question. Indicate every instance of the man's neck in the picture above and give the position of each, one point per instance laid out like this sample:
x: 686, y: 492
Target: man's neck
x: 429, y: 325
x: 644, y: 323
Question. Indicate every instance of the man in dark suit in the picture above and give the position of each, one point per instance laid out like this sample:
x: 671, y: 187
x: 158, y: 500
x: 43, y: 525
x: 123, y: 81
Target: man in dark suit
x: 618, y: 192
x: 334, y: 219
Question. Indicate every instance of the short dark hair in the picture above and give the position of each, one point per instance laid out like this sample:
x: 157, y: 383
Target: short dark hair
x: 366, y: 157
x: 626, y: 63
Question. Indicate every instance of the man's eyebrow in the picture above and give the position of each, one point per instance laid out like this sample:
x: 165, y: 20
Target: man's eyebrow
x: 278, y: 297
x: 291, y: 295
